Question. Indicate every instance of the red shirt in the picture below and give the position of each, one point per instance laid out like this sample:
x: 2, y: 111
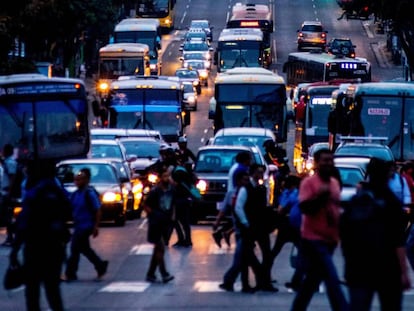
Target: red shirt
x: 324, y: 224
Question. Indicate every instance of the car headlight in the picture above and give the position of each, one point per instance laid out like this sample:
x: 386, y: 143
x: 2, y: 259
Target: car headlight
x: 206, y: 64
x: 185, y: 65
x: 204, y: 74
x: 195, y: 83
x: 201, y: 186
x: 191, y: 99
x: 111, y: 197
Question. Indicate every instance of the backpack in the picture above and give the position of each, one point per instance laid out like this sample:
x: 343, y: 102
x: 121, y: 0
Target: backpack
x: 362, y: 227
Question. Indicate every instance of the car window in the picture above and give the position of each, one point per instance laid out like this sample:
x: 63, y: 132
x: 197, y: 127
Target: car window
x: 195, y: 46
x: 312, y: 28
x: 186, y: 74
x: 218, y: 161
x: 106, y: 151
x: 142, y: 149
x: 381, y: 153
x: 350, y: 177
x: 100, y: 173
x: 234, y: 140
x: 188, y: 88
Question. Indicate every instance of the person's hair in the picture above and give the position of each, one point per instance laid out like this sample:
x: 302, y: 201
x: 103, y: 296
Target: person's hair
x: 8, y: 150
x: 239, y: 175
x: 318, y: 154
x: 85, y: 171
x: 292, y: 181
x: 243, y: 156
x: 254, y: 167
x: 378, y: 171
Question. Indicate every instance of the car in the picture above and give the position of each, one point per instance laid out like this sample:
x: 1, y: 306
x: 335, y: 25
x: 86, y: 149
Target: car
x: 106, y: 148
x: 196, y: 46
x: 195, y: 56
x: 113, y: 133
x: 190, y: 96
x: 247, y: 136
x: 351, y: 176
x: 341, y: 46
x: 197, y: 34
x: 189, y: 75
x: 113, y: 186
x: 365, y: 148
x: 306, y: 166
x: 311, y: 34
x: 361, y: 161
x: 212, y: 166
x: 202, y: 67
x: 204, y: 25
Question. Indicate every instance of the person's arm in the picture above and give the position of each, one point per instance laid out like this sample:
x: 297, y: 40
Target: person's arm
x: 98, y: 213
x: 239, y: 207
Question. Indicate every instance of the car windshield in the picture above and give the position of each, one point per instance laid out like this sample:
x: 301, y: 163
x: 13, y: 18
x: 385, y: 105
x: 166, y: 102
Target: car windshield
x: 186, y: 74
x: 243, y: 140
x: 193, y: 56
x: 199, y: 46
x: 378, y: 152
x: 142, y: 148
x: 196, y: 64
x: 199, y: 24
x: 215, y: 160
x: 350, y: 176
x: 100, y: 173
x: 188, y: 88
x: 312, y: 28
x: 106, y: 151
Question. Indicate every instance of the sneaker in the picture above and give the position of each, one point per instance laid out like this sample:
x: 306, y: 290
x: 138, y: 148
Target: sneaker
x: 292, y: 286
x: 217, y: 236
x: 180, y: 244
x: 269, y: 288
x: 167, y: 278
x: 102, y: 270
x: 226, y: 236
x: 226, y: 287
x: 151, y: 278
x: 248, y: 290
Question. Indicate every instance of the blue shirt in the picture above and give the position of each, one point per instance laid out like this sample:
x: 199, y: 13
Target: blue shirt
x: 289, y: 199
x: 85, y: 204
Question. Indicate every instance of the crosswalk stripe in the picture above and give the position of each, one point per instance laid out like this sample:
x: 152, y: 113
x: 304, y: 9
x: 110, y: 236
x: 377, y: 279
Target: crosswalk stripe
x: 142, y: 249
x: 125, y: 287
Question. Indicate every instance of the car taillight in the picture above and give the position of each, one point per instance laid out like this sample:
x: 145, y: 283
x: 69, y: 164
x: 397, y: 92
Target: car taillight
x: 323, y: 35
x: 300, y: 34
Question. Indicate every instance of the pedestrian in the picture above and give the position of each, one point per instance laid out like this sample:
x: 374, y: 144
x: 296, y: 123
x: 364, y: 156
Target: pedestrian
x: 223, y: 226
x: 159, y: 206
x: 86, y: 213
x: 407, y: 171
x: 9, y: 190
x: 319, y: 197
x: 398, y: 184
x: 184, y: 155
x: 373, y: 243
x: 243, y: 254
x: 41, y: 228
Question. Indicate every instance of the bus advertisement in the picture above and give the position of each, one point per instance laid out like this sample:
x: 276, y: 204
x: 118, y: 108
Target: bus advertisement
x: 311, y: 120
x: 239, y: 47
x: 315, y: 66
x: 250, y: 97
x: 384, y: 109
x: 44, y: 118
x: 119, y: 59
x: 254, y: 16
x: 163, y: 10
x: 148, y: 102
x: 145, y: 31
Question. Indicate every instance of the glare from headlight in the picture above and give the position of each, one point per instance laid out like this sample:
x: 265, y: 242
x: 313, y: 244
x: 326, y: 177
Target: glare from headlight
x: 207, y: 64
x: 309, y: 165
x: 137, y: 188
x: 191, y: 99
x: 111, y: 197
x: 103, y: 86
x: 203, y: 74
x: 202, y: 186
x: 152, y: 178
x: 195, y: 82
x: 153, y: 66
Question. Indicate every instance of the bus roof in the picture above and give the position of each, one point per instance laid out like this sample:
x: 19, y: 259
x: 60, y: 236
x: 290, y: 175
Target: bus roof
x: 124, y: 47
x: 324, y: 58
x: 382, y: 89
x: 250, y: 9
x: 35, y: 78
x: 150, y: 82
x: 249, y: 75
x: 135, y: 27
x: 242, y: 34
x: 134, y: 20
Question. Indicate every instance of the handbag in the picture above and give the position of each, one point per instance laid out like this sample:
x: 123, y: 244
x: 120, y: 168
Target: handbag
x: 14, y: 276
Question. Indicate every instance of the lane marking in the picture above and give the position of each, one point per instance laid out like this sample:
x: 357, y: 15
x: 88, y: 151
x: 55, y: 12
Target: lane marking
x: 182, y: 18
x: 368, y: 31
x: 142, y: 249
x: 213, y: 249
x: 125, y: 287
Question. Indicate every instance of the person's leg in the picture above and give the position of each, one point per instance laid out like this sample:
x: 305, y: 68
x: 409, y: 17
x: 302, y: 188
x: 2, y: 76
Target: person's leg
x: 177, y: 225
x: 74, y: 256
x: 88, y: 252
x: 360, y: 298
x: 264, y: 243
x: 390, y: 295
x: 51, y: 278
x: 185, y: 222
x: 410, y: 247
x: 231, y: 274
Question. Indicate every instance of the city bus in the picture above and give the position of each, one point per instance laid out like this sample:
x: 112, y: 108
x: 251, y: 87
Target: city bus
x: 311, y: 124
x: 377, y: 109
x: 254, y: 16
x: 250, y: 97
x: 314, y: 66
x: 145, y: 31
x: 148, y: 102
x: 119, y: 59
x: 44, y: 118
x: 239, y: 47
x: 163, y: 10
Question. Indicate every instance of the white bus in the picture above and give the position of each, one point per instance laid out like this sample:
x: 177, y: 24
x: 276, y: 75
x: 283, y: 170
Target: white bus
x: 250, y: 97
x: 240, y: 47
x: 145, y: 31
x: 120, y: 59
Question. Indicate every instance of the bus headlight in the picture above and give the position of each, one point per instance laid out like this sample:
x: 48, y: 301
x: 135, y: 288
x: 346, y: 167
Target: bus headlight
x: 201, y: 186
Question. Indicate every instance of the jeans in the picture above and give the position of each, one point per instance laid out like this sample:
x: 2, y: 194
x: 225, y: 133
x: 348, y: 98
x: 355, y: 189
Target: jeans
x: 319, y: 266
x: 80, y: 245
x: 410, y: 246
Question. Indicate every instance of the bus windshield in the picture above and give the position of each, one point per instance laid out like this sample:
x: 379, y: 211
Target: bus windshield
x: 153, y: 8
x: 381, y: 116
x: 143, y: 37
x: 239, y: 55
x: 317, y: 114
x: 251, y: 93
x: 56, y: 126
x: 146, y: 97
x: 112, y: 68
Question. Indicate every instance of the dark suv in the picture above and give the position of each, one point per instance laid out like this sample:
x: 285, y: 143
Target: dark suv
x: 311, y: 34
x: 341, y: 46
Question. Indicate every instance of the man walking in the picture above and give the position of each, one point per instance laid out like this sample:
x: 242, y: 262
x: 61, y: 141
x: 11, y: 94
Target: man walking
x: 319, y: 196
x: 86, y: 217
